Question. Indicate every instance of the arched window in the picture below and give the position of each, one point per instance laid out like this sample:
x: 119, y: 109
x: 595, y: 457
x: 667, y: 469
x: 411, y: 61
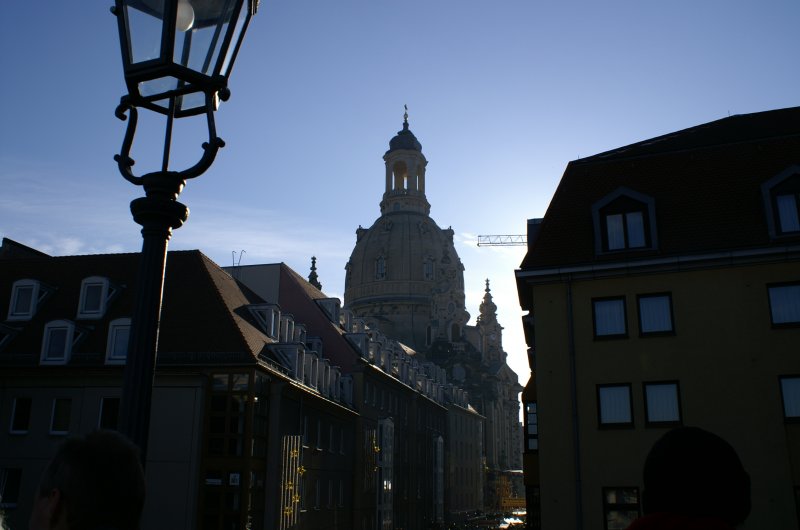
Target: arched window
x: 380, y: 268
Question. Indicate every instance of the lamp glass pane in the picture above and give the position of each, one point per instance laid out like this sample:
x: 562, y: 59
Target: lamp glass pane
x: 237, y: 34
x: 144, y: 28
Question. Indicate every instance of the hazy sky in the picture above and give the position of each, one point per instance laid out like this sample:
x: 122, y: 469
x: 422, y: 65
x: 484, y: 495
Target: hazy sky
x: 501, y: 93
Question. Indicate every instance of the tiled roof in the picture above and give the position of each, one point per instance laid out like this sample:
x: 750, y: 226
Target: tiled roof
x: 705, y: 181
x: 204, y: 309
x: 297, y: 296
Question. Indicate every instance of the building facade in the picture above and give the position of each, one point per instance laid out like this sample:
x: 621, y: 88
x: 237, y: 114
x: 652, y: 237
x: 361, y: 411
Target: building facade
x: 663, y: 289
x: 405, y: 279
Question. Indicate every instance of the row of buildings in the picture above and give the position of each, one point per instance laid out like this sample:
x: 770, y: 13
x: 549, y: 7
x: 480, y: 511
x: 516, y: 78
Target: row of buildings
x: 273, y: 405
x: 663, y: 289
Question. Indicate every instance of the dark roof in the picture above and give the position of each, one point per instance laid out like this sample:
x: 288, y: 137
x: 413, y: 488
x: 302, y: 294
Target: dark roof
x: 204, y: 310
x: 298, y: 297
x: 705, y: 182
x: 10, y: 249
x: 404, y: 139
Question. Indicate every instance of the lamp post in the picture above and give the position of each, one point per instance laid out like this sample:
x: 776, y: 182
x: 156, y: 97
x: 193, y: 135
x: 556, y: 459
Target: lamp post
x: 177, y: 56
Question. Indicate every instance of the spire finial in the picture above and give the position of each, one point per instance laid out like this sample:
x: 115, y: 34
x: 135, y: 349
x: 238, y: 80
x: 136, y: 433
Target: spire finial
x: 405, y: 117
x: 487, y: 285
x: 313, y: 279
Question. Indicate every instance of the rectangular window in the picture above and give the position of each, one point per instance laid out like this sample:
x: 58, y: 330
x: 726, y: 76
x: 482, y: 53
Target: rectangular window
x: 531, y: 427
x: 109, y: 413
x: 790, y: 395
x: 662, y: 404
x: 609, y: 317
x: 21, y: 415
x: 625, y: 230
x: 22, y: 304
x: 59, y: 337
x: 119, y: 332
x: 10, y: 479
x: 655, y: 314
x: 614, y: 405
x: 56, y: 344
x: 92, y: 298
x: 784, y: 304
x: 788, y: 209
x: 620, y: 507
x: 59, y: 422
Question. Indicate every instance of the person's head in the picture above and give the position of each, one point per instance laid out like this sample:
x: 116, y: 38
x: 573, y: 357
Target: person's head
x: 695, y: 473
x: 93, y: 482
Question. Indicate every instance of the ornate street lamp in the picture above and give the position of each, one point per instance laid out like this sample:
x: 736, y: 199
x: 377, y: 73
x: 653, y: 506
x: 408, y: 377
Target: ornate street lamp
x: 177, y: 56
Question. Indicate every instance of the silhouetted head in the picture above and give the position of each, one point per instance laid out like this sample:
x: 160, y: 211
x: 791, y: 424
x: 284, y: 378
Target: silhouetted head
x: 695, y: 473
x: 92, y: 482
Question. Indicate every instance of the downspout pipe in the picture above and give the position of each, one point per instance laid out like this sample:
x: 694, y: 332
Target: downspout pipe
x: 573, y: 389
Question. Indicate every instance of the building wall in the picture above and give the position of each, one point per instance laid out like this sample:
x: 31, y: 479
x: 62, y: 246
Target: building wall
x: 725, y: 355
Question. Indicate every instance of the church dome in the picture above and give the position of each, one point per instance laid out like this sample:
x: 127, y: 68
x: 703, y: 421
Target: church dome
x: 404, y: 275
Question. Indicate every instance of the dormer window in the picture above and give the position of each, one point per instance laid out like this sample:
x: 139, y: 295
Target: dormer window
x: 624, y: 220
x: 119, y: 332
x: 268, y: 317
x: 781, y: 196
x: 96, y: 292
x: 60, y: 336
x: 26, y: 295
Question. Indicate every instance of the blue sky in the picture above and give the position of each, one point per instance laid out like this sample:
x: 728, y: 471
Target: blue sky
x: 502, y: 94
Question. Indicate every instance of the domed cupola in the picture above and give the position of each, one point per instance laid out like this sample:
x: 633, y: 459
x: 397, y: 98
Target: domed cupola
x: 404, y: 275
x: 405, y: 174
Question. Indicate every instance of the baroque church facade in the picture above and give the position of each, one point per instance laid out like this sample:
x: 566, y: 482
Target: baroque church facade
x: 405, y: 279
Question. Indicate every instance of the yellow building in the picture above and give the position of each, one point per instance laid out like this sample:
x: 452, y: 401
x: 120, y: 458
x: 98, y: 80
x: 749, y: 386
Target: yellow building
x: 663, y: 289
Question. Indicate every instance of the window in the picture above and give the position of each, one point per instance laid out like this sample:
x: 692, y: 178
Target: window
x: 109, y: 413
x: 59, y: 421
x: 620, y: 507
x: 614, y: 405
x: 380, y: 268
x: 781, y: 196
x: 784, y: 304
x: 427, y: 269
x: 609, y: 317
x: 655, y: 314
x: 624, y: 230
x: 624, y: 220
x: 20, y: 415
x: 531, y: 427
x: 662, y: 404
x: 59, y: 338
x: 268, y: 317
x: 790, y: 395
x: 96, y: 292
x: 10, y: 479
x: 119, y: 331
x: 26, y: 295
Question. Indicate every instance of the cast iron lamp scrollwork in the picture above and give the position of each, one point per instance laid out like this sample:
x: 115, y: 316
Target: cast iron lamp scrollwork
x: 177, y: 56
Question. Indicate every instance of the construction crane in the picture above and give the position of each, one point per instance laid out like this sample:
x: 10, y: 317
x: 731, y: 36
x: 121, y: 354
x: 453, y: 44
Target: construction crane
x: 517, y: 240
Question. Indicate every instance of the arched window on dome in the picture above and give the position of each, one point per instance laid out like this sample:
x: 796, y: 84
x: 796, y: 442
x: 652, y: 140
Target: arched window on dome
x: 427, y: 269
x: 380, y: 268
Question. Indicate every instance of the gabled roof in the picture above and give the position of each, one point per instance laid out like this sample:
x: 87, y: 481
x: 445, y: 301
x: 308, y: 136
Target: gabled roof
x: 204, y: 310
x: 705, y: 182
x: 298, y: 297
